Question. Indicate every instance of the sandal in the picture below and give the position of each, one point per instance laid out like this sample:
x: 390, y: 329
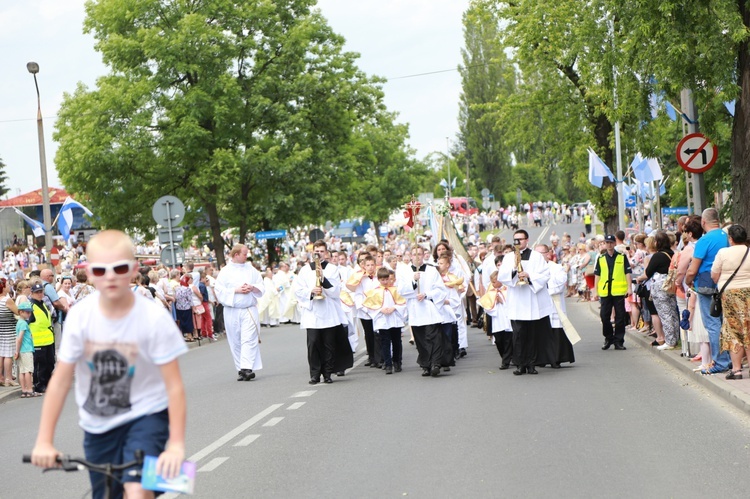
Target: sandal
x: 34, y: 394
x: 24, y: 395
x: 734, y: 374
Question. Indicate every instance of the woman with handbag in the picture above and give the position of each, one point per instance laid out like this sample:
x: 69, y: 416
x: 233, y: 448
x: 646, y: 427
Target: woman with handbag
x: 664, y: 302
x: 731, y: 273
x: 656, y: 263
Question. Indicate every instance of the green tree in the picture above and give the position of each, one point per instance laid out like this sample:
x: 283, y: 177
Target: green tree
x: 3, y: 179
x: 704, y: 48
x: 247, y: 111
x: 386, y: 173
x: 487, y: 76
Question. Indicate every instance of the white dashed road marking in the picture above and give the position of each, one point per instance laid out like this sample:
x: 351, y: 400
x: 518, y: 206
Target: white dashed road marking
x: 306, y: 393
x: 295, y: 406
x: 273, y: 421
x: 232, y: 434
x: 213, y: 464
x: 246, y: 441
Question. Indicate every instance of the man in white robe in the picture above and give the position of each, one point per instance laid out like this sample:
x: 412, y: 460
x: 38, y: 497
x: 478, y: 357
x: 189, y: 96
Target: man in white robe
x: 239, y: 286
x: 322, y: 317
x: 423, y: 287
x: 529, y: 303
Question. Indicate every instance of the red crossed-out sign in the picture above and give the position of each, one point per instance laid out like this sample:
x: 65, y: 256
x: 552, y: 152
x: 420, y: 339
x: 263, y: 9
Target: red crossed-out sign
x: 696, y: 154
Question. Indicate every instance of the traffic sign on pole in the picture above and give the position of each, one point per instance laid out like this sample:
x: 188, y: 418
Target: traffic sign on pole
x: 171, y: 236
x: 696, y: 154
x: 54, y: 256
x: 173, y: 255
x: 270, y: 234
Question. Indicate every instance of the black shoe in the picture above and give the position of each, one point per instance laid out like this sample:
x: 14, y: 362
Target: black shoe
x: 462, y: 352
x: 389, y: 369
x: 504, y: 367
x: 655, y: 343
x: 368, y: 363
x: 314, y: 381
x: 532, y: 370
x: 557, y: 365
x: 245, y: 375
x: 620, y: 347
x: 340, y: 373
x: 446, y: 369
x: 327, y: 380
x: 519, y: 371
x: 397, y: 367
x: 435, y: 371
x: 425, y: 371
x: 606, y: 345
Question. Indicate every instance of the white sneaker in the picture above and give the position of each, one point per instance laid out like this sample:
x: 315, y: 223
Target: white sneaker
x: 665, y: 347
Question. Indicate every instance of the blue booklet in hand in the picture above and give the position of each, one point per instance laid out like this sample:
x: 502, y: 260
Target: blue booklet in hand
x: 182, y: 483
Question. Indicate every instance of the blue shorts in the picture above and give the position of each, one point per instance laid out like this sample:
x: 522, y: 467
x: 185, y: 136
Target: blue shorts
x: 118, y: 445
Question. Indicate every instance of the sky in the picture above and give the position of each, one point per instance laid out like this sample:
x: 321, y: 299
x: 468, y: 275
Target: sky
x: 395, y: 38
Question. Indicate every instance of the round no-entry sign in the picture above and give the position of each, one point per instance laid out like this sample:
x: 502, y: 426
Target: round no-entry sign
x: 696, y: 154
x: 54, y: 255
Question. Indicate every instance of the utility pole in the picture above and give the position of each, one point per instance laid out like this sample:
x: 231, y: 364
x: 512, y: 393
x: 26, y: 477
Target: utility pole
x: 468, y: 190
x: 690, y: 125
x: 448, y: 163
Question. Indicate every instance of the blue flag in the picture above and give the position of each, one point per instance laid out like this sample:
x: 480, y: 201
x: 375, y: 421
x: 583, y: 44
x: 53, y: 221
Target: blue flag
x: 65, y: 217
x: 598, y: 170
x: 36, y: 227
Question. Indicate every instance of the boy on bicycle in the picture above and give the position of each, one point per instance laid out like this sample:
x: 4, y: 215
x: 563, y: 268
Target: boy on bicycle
x: 123, y: 349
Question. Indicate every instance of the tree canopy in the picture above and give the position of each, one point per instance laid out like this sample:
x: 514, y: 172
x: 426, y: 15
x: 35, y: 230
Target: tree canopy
x: 251, y: 112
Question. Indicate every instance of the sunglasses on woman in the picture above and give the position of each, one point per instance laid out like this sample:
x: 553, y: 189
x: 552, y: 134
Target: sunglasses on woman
x: 122, y: 267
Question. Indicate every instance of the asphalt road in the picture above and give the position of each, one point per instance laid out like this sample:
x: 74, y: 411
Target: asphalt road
x: 614, y: 424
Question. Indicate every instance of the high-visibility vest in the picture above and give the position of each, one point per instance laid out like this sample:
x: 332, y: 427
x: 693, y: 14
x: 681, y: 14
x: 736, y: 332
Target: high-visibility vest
x: 41, y: 328
x: 587, y: 219
x: 618, y: 285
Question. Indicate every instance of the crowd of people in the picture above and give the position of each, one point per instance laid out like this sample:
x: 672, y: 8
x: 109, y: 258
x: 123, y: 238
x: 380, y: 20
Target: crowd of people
x: 684, y: 288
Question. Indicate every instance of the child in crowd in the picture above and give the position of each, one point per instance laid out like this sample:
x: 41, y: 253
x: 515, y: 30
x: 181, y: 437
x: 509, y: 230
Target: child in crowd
x: 123, y: 348
x: 25, y: 351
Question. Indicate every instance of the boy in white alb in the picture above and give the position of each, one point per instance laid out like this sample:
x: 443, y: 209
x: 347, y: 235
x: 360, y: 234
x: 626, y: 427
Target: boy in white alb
x: 123, y: 348
x: 388, y: 310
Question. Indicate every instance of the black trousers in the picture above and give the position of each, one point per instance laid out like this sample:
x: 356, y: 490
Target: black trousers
x: 219, y: 318
x: 524, y: 340
x: 44, y: 364
x: 616, y: 336
x: 391, y: 337
x: 372, y: 342
x: 504, y: 344
x: 321, y: 345
x: 429, y: 344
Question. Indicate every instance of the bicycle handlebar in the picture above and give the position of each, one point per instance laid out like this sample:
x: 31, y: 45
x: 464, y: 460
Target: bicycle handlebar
x: 70, y: 463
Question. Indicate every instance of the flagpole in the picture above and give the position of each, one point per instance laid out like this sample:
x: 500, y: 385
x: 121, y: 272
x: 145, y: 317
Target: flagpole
x: 619, y: 179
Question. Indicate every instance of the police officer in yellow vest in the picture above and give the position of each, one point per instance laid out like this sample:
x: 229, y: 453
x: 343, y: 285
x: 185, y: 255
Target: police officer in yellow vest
x: 612, y: 282
x: 40, y: 324
x: 587, y: 222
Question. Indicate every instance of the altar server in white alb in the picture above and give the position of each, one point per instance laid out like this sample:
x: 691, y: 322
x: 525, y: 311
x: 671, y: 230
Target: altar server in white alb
x: 423, y: 287
x: 347, y: 302
x: 526, y: 273
x: 558, y: 347
x: 239, y: 287
x: 318, y: 292
x: 494, y: 304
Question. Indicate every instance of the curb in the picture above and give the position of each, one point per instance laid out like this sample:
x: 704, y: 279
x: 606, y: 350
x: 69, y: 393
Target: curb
x: 8, y: 394
x: 714, y: 383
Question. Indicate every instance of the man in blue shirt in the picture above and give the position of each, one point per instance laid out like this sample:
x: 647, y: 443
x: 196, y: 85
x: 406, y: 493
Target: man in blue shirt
x: 699, y: 277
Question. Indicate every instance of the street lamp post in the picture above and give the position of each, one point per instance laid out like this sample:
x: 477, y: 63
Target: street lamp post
x: 34, y: 69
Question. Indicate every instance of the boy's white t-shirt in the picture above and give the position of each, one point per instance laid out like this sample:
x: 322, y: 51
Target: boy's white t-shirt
x: 118, y: 378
